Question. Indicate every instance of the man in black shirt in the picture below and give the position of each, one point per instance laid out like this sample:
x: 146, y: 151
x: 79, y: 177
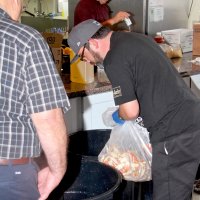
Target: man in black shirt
x: 145, y: 83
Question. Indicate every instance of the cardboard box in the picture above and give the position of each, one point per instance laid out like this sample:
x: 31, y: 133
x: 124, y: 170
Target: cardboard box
x: 196, y: 39
x: 54, y: 41
x: 183, y: 37
x: 57, y: 54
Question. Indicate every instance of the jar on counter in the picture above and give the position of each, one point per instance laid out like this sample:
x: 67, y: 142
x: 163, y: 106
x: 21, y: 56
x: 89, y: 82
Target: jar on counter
x: 130, y: 22
x: 159, y: 38
x: 80, y: 71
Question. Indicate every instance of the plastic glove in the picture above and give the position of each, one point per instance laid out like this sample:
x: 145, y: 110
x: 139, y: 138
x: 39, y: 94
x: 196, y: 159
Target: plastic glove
x: 111, y: 117
x: 117, y: 118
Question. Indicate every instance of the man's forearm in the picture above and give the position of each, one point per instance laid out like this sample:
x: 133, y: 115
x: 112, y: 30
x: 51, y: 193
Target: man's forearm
x: 52, y: 133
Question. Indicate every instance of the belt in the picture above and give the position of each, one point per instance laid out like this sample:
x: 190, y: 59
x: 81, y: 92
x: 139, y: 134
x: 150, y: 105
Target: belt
x: 20, y: 161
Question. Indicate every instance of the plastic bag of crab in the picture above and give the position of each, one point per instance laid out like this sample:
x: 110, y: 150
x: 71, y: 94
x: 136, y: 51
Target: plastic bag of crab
x: 129, y: 151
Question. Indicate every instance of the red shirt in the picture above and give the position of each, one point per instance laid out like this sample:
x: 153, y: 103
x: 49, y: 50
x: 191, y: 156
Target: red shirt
x: 91, y: 9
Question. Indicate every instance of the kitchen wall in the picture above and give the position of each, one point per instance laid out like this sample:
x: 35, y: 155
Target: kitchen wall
x: 57, y: 7
x: 60, y: 8
x: 43, y: 11
x: 43, y: 24
x: 34, y: 6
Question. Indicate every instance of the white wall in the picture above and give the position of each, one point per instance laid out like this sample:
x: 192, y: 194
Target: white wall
x: 195, y: 12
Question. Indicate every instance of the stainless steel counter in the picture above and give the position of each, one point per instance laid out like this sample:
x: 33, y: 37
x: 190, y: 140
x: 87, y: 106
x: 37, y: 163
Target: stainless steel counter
x: 184, y: 67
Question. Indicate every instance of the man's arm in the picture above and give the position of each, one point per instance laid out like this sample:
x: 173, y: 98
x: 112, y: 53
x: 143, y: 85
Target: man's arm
x: 52, y: 133
x: 119, y: 17
x: 129, y: 110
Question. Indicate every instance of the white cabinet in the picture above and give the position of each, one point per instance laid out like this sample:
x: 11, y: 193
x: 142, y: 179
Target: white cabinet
x: 195, y: 84
x: 73, y: 117
x: 93, y: 107
x: 86, y: 112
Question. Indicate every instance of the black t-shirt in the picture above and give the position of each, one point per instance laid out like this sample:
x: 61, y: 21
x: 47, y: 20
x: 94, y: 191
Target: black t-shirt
x: 139, y: 69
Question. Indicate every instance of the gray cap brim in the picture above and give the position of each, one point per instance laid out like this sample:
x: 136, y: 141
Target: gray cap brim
x: 80, y: 35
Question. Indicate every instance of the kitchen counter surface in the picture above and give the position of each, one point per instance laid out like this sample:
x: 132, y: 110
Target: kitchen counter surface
x: 101, y: 83
x: 184, y: 66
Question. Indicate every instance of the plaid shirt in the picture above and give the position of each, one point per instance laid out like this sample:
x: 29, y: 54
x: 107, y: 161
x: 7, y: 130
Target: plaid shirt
x: 29, y: 83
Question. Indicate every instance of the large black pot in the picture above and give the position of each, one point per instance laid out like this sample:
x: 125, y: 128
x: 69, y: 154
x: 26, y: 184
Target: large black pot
x: 87, y: 144
x: 87, y: 180
x: 93, y: 180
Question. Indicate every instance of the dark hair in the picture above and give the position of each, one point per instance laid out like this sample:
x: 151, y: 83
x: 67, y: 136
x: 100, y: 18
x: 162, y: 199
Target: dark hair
x: 101, y: 33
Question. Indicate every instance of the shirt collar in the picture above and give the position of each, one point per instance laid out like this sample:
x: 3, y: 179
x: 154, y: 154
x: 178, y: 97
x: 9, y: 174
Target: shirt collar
x: 4, y: 14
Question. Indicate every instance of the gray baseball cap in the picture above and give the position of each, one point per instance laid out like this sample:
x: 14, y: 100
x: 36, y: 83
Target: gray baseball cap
x: 80, y: 34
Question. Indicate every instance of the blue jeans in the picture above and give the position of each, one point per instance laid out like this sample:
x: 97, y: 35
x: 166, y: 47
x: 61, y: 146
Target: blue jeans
x: 19, y: 182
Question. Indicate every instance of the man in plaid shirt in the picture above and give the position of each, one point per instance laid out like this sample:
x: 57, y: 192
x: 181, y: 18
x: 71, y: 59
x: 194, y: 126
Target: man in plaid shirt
x: 32, y: 102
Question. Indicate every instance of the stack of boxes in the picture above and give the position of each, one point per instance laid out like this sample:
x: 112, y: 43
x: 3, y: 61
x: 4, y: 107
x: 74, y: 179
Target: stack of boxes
x: 196, y: 39
x: 195, y: 79
x: 54, y: 41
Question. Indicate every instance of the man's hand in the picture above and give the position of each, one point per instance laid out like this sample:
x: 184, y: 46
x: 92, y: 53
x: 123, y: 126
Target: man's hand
x: 111, y: 117
x: 47, y: 182
x: 120, y: 16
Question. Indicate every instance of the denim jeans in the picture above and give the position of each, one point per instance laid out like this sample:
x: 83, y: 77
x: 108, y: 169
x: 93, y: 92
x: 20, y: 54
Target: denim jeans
x: 19, y: 182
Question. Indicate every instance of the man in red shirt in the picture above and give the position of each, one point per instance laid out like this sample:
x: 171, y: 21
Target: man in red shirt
x: 98, y: 10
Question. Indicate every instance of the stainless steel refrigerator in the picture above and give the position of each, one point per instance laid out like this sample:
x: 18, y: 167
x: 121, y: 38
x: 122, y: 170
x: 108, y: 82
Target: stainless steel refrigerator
x: 151, y: 16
